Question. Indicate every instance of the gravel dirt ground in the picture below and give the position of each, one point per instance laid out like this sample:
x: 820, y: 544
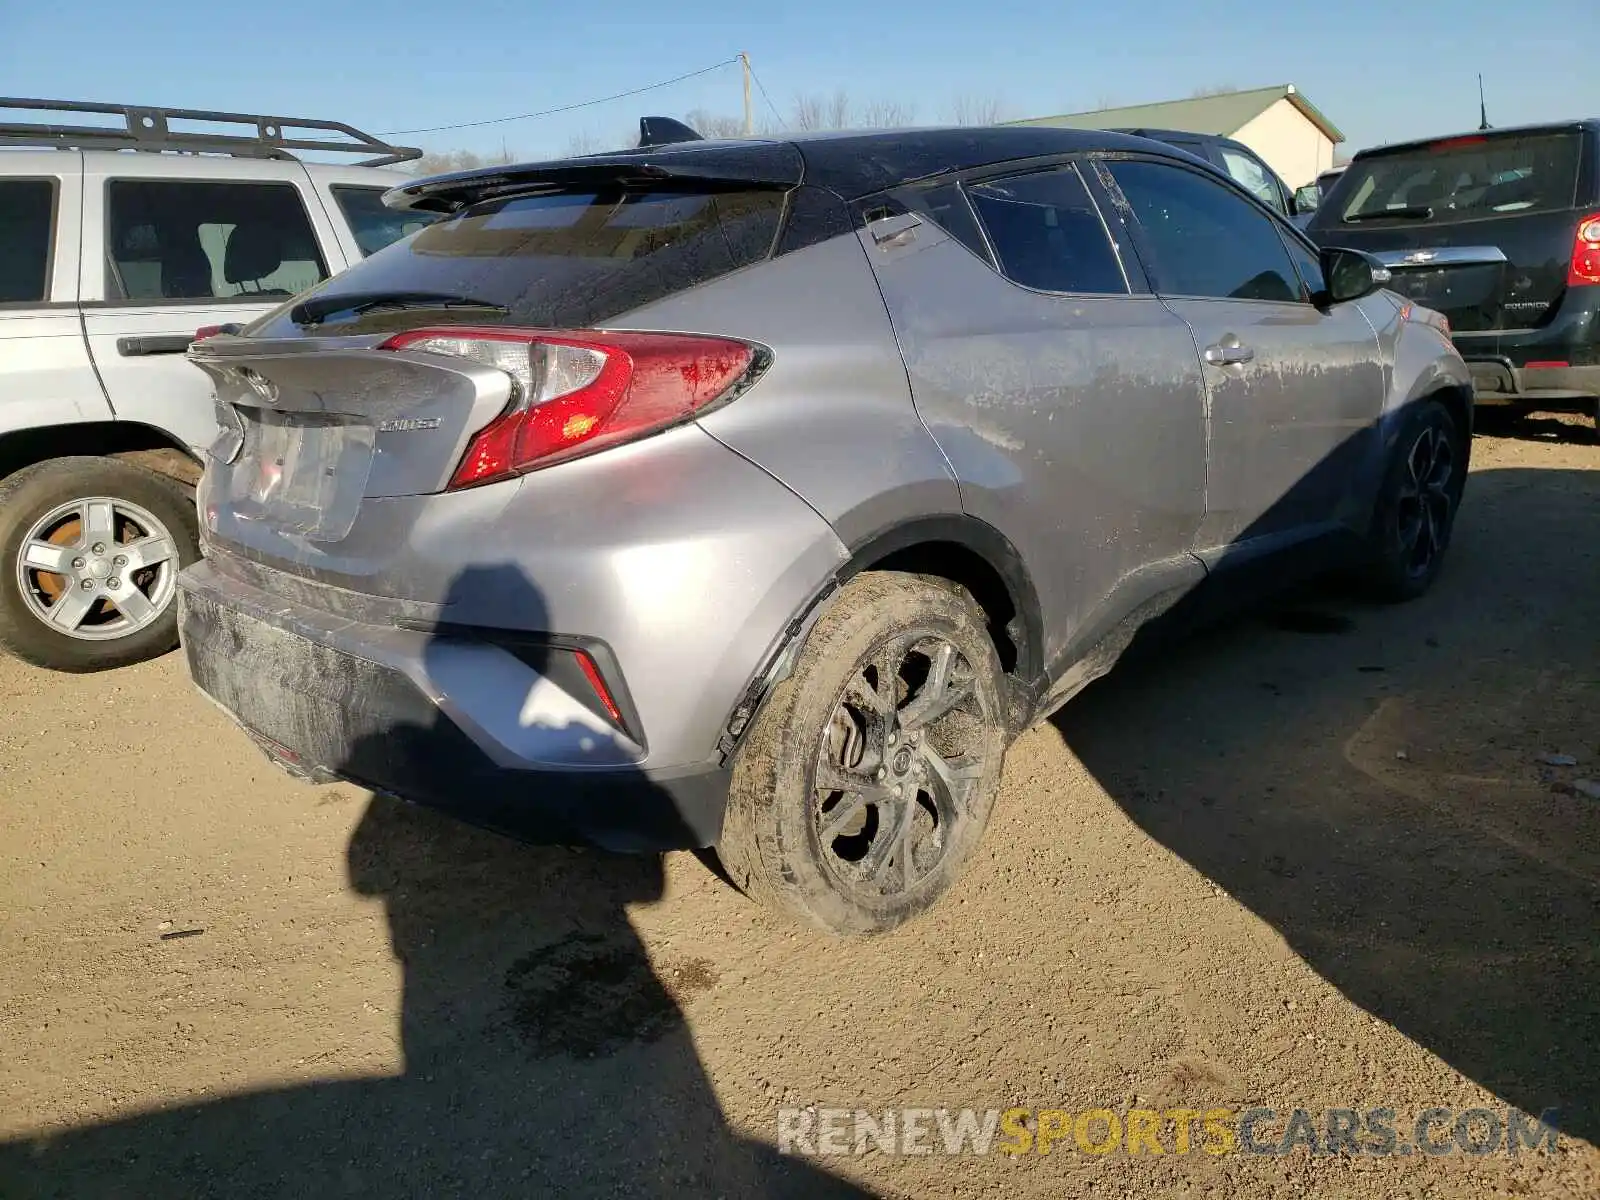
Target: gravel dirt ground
x: 1309, y: 859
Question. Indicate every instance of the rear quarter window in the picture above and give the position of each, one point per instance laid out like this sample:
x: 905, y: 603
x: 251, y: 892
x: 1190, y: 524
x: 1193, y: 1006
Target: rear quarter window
x: 566, y: 259
x: 1463, y: 178
x: 203, y: 241
x: 27, y: 217
x: 373, y: 224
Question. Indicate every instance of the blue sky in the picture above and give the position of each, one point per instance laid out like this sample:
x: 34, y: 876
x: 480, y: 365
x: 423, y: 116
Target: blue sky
x: 1380, y: 70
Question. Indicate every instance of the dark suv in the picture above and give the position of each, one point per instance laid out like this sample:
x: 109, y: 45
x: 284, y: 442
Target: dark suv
x: 1499, y: 230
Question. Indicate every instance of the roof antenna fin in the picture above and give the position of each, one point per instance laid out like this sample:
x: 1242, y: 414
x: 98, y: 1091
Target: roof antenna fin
x: 664, y: 131
x: 1483, y: 112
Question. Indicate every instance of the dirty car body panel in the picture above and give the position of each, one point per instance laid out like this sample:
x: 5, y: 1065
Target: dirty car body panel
x: 571, y: 648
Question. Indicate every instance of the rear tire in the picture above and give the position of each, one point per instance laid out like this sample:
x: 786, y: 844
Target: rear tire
x: 867, y: 778
x: 1417, y: 503
x: 49, y: 515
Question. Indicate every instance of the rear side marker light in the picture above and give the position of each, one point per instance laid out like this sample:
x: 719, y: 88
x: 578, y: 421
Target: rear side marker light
x: 1545, y: 366
x: 1585, y: 266
x: 578, y: 392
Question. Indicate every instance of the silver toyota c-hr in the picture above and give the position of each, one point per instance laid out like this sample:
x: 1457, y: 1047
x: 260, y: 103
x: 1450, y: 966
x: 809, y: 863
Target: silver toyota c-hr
x: 756, y: 494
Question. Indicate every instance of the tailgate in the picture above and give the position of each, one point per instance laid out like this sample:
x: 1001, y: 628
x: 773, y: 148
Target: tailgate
x: 312, y: 427
x: 1465, y: 283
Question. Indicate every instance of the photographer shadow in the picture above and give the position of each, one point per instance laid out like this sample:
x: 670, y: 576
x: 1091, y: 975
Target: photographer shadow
x: 544, y: 1052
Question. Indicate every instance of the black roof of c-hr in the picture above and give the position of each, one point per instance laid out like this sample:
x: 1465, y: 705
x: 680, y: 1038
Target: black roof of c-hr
x: 856, y: 164
x: 851, y: 163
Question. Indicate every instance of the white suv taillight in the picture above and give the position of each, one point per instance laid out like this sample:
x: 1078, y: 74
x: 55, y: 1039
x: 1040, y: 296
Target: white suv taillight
x: 579, y: 392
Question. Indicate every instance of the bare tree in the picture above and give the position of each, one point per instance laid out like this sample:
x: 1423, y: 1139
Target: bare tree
x: 1224, y: 89
x: 713, y: 125
x: 583, y: 143
x: 821, y: 112
x: 838, y: 110
x: 809, y: 112
x: 977, y: 110
x: 887, y: 114
x: 445, y: 161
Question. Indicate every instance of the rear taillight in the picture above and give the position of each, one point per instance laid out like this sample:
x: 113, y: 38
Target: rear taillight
x: 1585, y: 266
x: 580, y: 392
x: 1426, y: 316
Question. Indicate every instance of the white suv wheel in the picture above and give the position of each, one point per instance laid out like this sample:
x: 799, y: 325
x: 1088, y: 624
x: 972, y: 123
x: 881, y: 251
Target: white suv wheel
x: 97, y: 568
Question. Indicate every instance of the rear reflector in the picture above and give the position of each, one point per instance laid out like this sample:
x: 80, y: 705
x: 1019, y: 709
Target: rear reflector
x: 1585, y: 267
x: 597, y: 681
x: 579, y: 392
x: 1553, y: 365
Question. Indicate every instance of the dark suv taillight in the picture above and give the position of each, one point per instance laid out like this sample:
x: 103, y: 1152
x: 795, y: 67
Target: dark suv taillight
x: 1585, y: 266
x: 578, y: 392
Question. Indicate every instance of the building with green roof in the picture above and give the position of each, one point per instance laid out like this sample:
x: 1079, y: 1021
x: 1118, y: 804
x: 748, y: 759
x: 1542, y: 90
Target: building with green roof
x: 1278, y: 123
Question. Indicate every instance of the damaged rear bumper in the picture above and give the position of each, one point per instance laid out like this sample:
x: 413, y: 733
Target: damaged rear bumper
x: 426, y: 717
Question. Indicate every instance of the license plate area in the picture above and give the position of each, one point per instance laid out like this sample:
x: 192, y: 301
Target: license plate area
x: 302, y: 473
x: 1471, y: 296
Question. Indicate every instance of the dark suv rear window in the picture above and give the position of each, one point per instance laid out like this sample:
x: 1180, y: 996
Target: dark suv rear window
x: 559, y: 259
x: 1462, y: 178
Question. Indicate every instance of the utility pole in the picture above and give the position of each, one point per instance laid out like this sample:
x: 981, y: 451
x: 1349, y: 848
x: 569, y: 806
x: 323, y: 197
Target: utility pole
x: 749, y: 113
x: 1483, y: 111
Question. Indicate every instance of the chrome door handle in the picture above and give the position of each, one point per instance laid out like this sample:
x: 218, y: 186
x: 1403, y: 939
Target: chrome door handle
x: 1228, y: 353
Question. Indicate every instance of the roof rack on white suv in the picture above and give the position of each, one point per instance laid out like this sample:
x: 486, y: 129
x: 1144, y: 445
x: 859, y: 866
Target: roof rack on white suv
x: 125, y: 232
x: 146, y: 128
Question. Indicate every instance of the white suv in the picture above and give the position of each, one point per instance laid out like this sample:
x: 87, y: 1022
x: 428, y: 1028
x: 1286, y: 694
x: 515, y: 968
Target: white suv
x: 118, y: 242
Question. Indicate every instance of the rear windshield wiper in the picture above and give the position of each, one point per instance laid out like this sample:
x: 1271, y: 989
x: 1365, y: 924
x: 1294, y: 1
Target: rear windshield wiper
x: 1412, y: 212
x: 319, y: 308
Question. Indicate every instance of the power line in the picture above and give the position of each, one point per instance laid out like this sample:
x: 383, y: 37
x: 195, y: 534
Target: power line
x: 550, y: 112
x: 764, y: 96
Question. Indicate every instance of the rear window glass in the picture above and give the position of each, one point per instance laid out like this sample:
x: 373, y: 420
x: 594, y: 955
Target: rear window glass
x: 1463, y: 178
x: 374, y: 225
x: 560, y: 260
x: 27, y: 208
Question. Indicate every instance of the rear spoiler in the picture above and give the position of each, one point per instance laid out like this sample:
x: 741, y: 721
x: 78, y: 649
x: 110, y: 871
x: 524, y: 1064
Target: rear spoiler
x: 1507, y: 132
x: 695, y: 163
